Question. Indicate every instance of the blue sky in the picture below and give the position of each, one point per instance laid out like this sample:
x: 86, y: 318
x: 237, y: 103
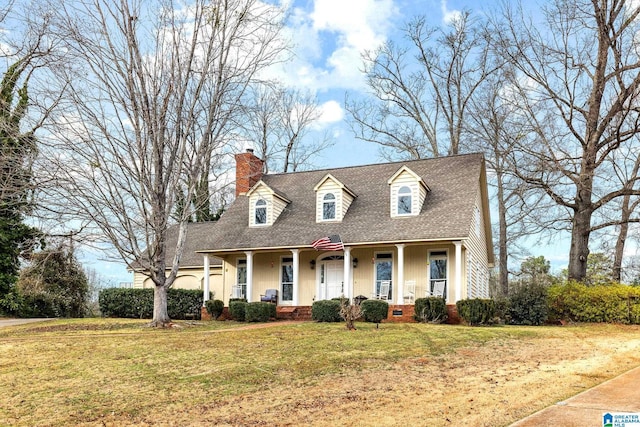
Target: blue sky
x: 329, y: 36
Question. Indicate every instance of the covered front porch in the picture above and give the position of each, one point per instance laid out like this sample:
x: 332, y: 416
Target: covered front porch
x: 302, y: 275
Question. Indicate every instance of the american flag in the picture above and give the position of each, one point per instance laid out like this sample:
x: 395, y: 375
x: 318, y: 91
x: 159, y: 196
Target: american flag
x: 331, y: 243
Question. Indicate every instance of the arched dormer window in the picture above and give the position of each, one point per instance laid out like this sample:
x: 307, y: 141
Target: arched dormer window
x: 404, y: 201
x: 329, y: 207
x: 261, y: 212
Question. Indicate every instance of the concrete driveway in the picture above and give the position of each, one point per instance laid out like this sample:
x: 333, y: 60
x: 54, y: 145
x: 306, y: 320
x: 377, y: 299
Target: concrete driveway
x: 14, y: 322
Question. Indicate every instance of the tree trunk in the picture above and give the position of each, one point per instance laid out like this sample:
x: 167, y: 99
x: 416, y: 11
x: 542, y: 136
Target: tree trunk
x: 503, y: 255
x: 160, y: 313
x: 579, y: 251
x: 622, y: 237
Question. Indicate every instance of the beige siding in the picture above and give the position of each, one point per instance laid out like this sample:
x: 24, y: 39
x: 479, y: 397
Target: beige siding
x: 477, y: 271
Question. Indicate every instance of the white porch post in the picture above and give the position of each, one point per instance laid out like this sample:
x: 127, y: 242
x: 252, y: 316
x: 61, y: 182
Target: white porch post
x: 249, y: 275
x: 458, y: 284
x: 400, y: 287
x: 347, y: 273
x: 205, y: 291
x: 296, y: 274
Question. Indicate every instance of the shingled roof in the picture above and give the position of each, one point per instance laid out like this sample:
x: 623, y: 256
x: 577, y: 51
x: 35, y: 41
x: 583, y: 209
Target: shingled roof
x: 446, y: 214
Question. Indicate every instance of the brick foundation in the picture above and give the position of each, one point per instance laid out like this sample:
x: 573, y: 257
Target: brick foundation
x: 452, y: 311
x: 400, y: 314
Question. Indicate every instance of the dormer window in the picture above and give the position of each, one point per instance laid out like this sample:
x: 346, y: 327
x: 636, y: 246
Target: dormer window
x: 329, y: 207
x: 404, y: 201
x: 333, y: 199
x: 261, y: 212
x: 407, y: 193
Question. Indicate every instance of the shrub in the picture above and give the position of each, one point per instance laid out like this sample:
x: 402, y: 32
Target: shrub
x: 214, y: 308
x: 138, y: 303
x: 528, y: 305
x: 476, y: 311
x: 374, y: 310
x: 431, y: 309
x: 602, y: 303
x: 237, y: 310
x: 184, y: 302
x: 326, y: 311
x: 259, y: 311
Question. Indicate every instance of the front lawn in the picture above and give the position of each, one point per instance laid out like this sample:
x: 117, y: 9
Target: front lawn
x: 118, y: 372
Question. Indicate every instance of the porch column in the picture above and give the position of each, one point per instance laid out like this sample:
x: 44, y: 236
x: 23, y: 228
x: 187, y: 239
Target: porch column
x: 400, y: 287
x: 458, y: 284
x: 347, y: 285
x: 249, y: 274
x: 205, y: 291
x: 296, y: 274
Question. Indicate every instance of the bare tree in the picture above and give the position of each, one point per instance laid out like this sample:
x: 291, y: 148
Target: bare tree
x: 150, y: 90
x: 421, y: 92
x: 494, y: 127
x: 579, y: 74
x: 279, y: 121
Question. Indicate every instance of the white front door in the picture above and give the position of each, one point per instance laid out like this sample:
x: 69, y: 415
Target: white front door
x: 333, y: 279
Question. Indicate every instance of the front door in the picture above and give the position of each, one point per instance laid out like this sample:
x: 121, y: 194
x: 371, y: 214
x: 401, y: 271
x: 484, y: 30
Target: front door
x: 333, y: 279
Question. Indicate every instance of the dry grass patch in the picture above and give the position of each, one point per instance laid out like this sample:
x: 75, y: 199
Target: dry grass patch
x: 116, y: 372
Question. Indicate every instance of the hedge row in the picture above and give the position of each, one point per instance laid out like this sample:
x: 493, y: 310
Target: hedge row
x: 243, y: 311
x: 605, y: 303
x: 536, y: 304
x: 138, y: 303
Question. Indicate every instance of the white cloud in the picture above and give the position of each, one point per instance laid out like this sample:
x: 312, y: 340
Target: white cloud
x: 329, y: 40
x: 330, y: 112
x: 449, y: 16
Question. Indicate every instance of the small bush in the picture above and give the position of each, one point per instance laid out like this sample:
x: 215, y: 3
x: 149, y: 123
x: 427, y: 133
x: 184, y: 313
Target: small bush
x: 431, y: 309
x: 326, y: 311
x: 259, y: 311
x: 528, y: 305
x: 476, y: 311
x: 374, y: 311
x: 237, y: 310
x: 214, y: 308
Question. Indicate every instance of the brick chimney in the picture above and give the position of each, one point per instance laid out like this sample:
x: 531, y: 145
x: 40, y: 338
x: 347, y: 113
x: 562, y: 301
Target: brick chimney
x: 248, y: 171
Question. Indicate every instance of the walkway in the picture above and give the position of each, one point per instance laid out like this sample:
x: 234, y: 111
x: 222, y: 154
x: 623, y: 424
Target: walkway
x: 620, y: 394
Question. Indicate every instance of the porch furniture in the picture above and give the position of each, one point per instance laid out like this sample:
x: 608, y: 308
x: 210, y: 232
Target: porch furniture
x: 270, y: 295
x: 236, y: 291
x: 383, y: 293
x: 410, y: 291
x: 438, y: 288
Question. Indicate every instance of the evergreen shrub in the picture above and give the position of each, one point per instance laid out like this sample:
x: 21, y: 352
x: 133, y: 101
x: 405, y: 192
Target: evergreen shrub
x: 614, y: 303
x: 326, y: 311
x: 259, y: 311
x: 214, y: 308
x: 138, y: 303
x: 528, y: 305
x: 237, y: 310
x: 431, y: 309
x: 476, y: 311
x: 374, y: 311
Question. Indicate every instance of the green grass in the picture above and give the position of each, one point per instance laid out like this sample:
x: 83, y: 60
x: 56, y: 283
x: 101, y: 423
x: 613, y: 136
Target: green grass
x: 73, y: 371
